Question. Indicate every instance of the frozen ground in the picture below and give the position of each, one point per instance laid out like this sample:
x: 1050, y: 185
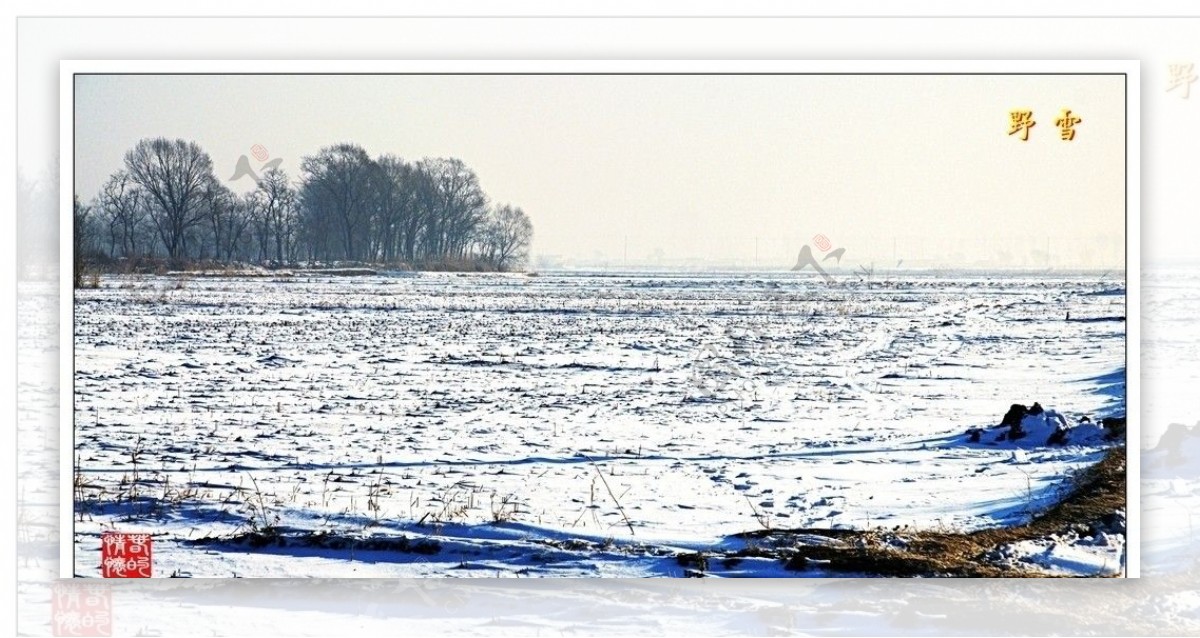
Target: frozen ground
x: 572, y: 425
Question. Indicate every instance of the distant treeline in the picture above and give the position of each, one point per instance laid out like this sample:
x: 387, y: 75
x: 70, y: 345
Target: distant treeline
x: 166, y: 205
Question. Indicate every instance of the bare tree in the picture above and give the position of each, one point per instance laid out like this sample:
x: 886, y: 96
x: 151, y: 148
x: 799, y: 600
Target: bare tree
x: 337, y: 187
x: 174, y: 174
x: 424, y: 200
x: 273, y: 208
x: 393, y: 205
x: 227, y: 220
x: 122, y: 204
x: 346, y: 206
x: 506, y: 237
x: 82, y: 240
x: 461, y: 207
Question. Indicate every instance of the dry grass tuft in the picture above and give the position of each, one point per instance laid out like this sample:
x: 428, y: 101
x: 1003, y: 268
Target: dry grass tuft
x: 1096, y: 493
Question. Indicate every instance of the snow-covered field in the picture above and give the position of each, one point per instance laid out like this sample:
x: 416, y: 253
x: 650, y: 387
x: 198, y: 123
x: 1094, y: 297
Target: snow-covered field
x: 576, y: 425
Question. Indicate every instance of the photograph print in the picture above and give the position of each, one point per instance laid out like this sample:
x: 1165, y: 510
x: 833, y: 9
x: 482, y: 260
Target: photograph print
x: 712, y: 321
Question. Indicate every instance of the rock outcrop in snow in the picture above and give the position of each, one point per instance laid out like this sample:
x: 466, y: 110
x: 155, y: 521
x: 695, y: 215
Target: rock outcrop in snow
x: 1038, y: 427
x: 1177, y: 452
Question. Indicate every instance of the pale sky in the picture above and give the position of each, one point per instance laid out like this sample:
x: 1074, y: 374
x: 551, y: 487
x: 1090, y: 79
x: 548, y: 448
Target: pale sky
x: 728, y: 170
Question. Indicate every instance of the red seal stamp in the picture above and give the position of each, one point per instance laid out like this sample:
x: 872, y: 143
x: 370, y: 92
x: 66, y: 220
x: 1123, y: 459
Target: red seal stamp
x: 81, y: 609
x: 125, y: 555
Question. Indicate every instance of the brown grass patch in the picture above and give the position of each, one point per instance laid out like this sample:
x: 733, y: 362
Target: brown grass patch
x: 1097, y: 492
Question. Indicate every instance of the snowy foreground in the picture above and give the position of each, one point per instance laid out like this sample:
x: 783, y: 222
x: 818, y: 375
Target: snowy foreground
x: 570, y: 425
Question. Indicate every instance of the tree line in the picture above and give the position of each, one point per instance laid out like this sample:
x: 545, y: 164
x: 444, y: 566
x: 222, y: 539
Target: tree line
x: 165, y: 203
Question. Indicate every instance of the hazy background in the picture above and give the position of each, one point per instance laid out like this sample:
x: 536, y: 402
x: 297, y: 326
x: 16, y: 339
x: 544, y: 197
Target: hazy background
x: 690, y: 171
